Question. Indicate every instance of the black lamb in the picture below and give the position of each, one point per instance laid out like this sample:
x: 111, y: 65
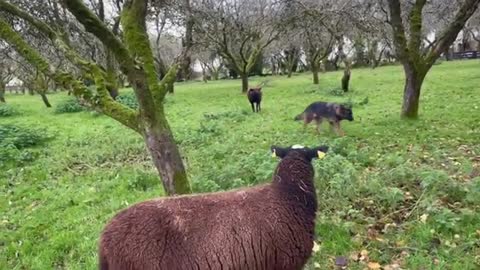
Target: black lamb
x: 269, y: 226
x: 255, y: 97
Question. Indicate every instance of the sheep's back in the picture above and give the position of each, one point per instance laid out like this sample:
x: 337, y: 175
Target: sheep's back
x: 254, y: 96
x: 233, y: 230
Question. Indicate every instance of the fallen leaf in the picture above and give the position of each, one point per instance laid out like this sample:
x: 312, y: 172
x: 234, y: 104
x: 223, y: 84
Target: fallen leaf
x: 423, y: 218
x: 364, y: 256
x: 316, y: 265
x: 373, y: 265
x: 372, y: 233
x: 354, y: 257
x: 316, y: 247
x: 392, y: 267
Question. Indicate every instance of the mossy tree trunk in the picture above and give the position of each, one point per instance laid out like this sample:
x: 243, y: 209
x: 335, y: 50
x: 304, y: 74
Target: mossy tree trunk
x: 2, y: 92
x: 346, y: 79
x: 346, y: 74
x: 415, y: 59
x: 135, y: 60
x: 244, y: 77
x: 6, y: 75
x: 411, y: 95
x: 315, y: 70
x: 185, y: 70
x: 41, y: 87
x: 111, y: 72
x: 45, y: 100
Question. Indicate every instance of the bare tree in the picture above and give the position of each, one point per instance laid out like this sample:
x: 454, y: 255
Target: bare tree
x: 211, y: 63
x: 318, y: 42
x: 238, y: 30
x: 472, y: 29
x: 6, y: 70
x: 135, y: 59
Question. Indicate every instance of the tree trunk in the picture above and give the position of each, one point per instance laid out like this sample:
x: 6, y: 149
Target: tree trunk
x: 185, y: 72
x: 345, y: 79
x: 170, y: 88
x: 411, y: 93
x: 2, y: 93
x: 45, y: 100
x: 166, y: 158
x: 204, y: 74
x: 215, y: 75
x: 112, y: 81
x: 315, y: 73
x: 244, y: 82
x: 290, y: 69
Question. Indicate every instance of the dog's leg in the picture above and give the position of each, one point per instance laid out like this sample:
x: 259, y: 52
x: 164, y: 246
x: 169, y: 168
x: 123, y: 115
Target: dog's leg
x: 305, y: 123
x: 253, y: 108
x: 339, y: 129
x: 318, y: 121
x: 331, y: 126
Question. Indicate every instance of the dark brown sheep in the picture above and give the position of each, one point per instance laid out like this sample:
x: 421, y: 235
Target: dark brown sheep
x: 270, y: 226
x: 255, y: 97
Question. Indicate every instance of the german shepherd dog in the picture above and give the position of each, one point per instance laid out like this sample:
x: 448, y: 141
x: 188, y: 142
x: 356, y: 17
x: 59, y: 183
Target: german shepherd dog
x: 255, y: 96
x: 320, y: 110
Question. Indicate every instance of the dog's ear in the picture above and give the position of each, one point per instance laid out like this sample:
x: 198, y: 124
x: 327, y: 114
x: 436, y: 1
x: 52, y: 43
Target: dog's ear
x: 259, y: 89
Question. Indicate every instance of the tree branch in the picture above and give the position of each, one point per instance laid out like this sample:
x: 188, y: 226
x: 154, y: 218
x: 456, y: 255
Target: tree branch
x: 95, y: 26
x: 138, y: 44
x: 117, y: 111
x: 450, y: 34
x: 43, y: 27
x: 399, y: 38
x: 415, y: 30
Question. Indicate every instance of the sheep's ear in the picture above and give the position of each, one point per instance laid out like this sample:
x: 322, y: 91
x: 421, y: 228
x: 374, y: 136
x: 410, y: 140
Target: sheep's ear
x: 318, y: 152
x: 278, y: 151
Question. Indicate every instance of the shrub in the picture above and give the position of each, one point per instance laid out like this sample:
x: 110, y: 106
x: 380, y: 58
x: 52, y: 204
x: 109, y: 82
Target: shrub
x: 7, y: 110
x: 337, y: 92
x: 21, y: 137
x: 69, y: 106
x: 230, y: 116
x: 128, y: 100
x: 12, y: 141
x: 142, y: 181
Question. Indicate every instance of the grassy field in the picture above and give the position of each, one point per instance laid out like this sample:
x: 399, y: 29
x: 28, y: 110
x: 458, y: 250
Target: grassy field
x: 390, y: 192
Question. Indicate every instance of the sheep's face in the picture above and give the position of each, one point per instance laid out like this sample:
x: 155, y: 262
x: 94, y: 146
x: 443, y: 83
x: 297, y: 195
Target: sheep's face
x: 305, y: 152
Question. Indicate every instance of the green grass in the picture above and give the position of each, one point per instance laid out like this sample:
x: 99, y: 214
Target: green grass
x: 405, y: 191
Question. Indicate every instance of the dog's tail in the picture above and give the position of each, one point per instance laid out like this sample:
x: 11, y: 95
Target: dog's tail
x: 299, y: 117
